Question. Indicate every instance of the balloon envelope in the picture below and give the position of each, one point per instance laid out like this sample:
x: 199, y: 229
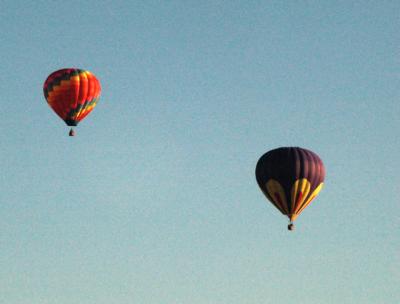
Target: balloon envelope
x: 72, y: 94
x: 290, y: 178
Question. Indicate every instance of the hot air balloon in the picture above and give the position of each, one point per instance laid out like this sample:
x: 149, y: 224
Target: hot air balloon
x: 290, y: 178
x: 72, y: 94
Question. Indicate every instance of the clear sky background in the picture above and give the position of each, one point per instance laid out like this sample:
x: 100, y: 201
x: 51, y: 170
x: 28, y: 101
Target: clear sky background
x: 155, y: 200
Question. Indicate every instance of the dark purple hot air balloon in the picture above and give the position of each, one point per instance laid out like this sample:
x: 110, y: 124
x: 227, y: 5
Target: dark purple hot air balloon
x: 290, y: 177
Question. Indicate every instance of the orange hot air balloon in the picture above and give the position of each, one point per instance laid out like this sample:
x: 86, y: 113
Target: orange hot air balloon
x: 290, y: 178
x: 72, y: 94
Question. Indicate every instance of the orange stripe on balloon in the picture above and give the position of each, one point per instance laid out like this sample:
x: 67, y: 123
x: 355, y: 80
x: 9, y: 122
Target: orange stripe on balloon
x: 81, y: 100
x: 300, y: 191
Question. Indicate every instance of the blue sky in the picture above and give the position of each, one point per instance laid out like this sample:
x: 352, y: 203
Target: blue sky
x: 155, y: 199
